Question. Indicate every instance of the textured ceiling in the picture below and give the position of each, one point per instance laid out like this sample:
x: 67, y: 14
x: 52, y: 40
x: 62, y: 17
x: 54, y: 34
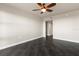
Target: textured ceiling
x: 58, y: 9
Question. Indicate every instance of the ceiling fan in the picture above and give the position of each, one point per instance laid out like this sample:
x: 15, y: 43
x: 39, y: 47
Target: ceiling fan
x: 44, y: 7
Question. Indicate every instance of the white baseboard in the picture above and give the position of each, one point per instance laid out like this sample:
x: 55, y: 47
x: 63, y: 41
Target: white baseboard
x: 14, y: 44
x: 68, y: 40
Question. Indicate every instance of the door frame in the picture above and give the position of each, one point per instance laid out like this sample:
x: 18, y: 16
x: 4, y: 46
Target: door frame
x: 46, y: 28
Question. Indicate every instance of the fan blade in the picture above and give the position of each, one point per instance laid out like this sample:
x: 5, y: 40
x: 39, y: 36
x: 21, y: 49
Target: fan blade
x: 43, y: 3
x: 35, y: 9
x: 41, y: 13
x: 49, y: 10
x: 51, y: 5
x: 39, y: 4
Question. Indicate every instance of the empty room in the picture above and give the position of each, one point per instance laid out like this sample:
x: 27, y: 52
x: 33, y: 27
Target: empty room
x: 39, y: 29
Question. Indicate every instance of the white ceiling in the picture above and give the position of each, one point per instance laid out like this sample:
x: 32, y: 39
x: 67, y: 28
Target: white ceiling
x: 58, y: 9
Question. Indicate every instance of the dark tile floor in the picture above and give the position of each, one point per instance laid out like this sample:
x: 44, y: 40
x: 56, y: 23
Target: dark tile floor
x: 39, y: 47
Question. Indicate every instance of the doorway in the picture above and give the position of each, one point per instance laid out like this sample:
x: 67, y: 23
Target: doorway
x: 49, y: 32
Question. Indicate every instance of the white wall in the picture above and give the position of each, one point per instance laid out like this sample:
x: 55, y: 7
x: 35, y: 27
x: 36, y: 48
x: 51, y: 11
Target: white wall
x: 66, y: 26
x: 49, y: 28
x: 16, y: 26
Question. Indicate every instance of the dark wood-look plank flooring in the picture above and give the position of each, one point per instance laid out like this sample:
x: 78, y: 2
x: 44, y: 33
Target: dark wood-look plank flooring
x: 39, y: 47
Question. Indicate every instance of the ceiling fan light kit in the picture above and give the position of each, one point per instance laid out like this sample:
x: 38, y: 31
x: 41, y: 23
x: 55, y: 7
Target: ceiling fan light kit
x: 43, y: 10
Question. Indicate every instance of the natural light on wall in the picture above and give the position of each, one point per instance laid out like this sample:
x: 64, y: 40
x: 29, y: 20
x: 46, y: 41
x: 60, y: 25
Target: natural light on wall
x: 66, y: 26
x: 16, y: 28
